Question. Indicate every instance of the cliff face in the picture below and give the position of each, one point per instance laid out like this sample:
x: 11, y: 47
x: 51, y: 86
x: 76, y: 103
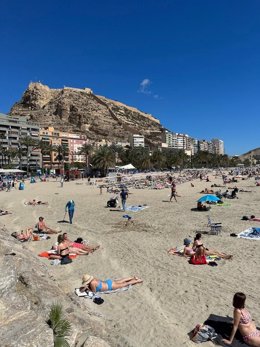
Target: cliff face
x: 254, y: 153
x: 80, y: 110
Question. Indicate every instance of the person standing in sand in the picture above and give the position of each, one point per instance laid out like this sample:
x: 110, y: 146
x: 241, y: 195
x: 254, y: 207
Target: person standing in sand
x: 173, y: 189
x: 70, y: 207
x: 124, y: 196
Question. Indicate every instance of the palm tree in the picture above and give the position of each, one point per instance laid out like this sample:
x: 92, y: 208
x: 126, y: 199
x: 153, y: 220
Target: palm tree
x: 86, y: 150
x: 140, y: 158
x: 62, y: 152
x: 61, y: 327
x: 104, y: 158
x: 46, y: 149
x: 28, y: 145
x: 158, y: 159
x: 11, y: 153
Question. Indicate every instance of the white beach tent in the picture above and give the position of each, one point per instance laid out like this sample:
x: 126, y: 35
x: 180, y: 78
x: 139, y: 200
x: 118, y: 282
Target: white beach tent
x: 126, y: 167
x: 5, y: 171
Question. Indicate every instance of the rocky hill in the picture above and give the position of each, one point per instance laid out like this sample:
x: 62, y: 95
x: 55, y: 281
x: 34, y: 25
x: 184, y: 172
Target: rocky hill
x: 80, y: 110
x: 254, y: 153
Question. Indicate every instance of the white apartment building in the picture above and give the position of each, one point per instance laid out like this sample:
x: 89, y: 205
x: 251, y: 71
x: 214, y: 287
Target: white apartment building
x: 136, y: 140
x: 218, y: 146
x: 12, y: 130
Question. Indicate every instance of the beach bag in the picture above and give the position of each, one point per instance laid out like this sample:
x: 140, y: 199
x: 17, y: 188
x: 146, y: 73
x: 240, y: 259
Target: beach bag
x: 203, y: 333
x: 65, y: 260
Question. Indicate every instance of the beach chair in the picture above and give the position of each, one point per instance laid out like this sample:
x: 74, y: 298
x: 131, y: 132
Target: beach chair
x: 215, y: 228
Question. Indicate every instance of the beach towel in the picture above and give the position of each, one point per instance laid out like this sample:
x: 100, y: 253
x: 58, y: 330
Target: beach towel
x: 250, y: 234
x: 92, y: 295
x: 223, y: 327
x: 136, y: 208
x: 47, y: 254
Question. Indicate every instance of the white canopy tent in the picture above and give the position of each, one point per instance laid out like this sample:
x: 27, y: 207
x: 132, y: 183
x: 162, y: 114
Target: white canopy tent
x: 126, y: 167
x: 6, y: 171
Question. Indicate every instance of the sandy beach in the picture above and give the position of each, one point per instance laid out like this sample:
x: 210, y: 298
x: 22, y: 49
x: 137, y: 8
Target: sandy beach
x: 175, y: 295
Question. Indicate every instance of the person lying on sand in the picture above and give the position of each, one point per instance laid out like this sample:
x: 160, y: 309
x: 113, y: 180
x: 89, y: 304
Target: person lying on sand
x: 24, y: 235
x: 207, y: 191
x: 43, y: 228
x: 65, y: 247
x: 198, y: 242
x: 35, y: 202
x: 4, y: 213
x: 77, y: 245
x: 89, y: 283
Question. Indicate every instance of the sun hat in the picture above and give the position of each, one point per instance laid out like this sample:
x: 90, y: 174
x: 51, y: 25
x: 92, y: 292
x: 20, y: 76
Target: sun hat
x: 86, y: 279
x: 186, y: 242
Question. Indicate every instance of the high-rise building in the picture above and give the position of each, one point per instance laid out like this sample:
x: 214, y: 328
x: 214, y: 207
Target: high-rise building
x: 218, y: 146
x: 12, y: 132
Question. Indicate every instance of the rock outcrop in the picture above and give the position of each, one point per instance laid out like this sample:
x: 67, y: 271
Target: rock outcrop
x: 253, y: 154
x: 80, y: 110
x: 27, y: 291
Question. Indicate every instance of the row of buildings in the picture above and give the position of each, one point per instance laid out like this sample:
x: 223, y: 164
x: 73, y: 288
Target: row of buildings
x: 13, y: 130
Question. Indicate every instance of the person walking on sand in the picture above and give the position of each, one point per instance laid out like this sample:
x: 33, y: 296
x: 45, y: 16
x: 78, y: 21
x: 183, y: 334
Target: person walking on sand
x: 173, y: 189
x: 124, y: 196
x: 70, y: 207
x: 61, y: 181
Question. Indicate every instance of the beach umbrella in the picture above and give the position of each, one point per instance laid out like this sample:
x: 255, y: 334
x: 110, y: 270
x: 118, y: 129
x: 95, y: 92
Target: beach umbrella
x: 209, y: 198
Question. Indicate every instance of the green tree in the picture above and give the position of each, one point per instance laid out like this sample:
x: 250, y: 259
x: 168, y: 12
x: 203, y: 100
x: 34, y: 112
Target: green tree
x: 140, y: 157
x: 103, y: 159
x: 158, y: 159
x: 86, y: 150
x: 62, y: 152
x: 61, y: 327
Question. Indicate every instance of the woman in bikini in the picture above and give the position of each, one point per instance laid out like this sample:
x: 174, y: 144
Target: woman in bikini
x: 89, y: 283
x: 243, y: 322
x: 64, y: 248
x: 79, y: 246
x: 198, y: 242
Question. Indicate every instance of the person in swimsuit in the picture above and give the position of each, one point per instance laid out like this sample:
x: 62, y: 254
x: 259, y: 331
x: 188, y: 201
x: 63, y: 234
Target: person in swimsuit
x: 173, y: 190
x: 188, y: 250
x: 42, y: 227
x: 198, y: 242
x: 65, y: 248
x: 89, y: 283
x: 243, y: 322
x: 34, y: 202
x: 80, y: 246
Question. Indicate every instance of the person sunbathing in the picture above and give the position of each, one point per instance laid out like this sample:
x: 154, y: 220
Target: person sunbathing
x: 78, y: 245
x: 65, y: 247
x: 4, y: 213
x: 210, y: 252
x: 188, y: 250
x: 89, y: 283
x: 201, y: 207
x: 34, y: 202
x: 207, y: 191
x: 43, y: 228
x: 24, y: 235
x: 199, y: 257
x: 243, y: 322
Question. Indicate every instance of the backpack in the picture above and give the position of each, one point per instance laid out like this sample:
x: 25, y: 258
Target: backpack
x: 203, y: 333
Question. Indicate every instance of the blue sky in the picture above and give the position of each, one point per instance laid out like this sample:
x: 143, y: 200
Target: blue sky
x: 194, y: 64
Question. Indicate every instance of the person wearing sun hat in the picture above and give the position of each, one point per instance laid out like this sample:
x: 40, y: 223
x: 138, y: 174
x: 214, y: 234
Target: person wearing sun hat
x: 89, y: 283
x: 188, y: 251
